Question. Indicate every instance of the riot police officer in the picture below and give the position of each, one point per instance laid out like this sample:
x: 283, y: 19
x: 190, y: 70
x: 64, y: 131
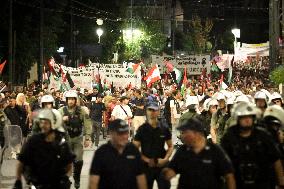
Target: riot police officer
x: 219, y: 118
x: 252, y: 150
x: 47, y: 101
x: 261, y: 100
x: 46, y: 159
x: 273, y: 118
x: 77, y: 124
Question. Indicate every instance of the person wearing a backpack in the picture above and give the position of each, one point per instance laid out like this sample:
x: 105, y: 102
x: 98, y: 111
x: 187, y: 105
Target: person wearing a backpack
x: 77, y: 123
x: 97, y: 114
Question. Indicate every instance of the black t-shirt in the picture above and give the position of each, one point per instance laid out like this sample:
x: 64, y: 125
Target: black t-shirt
x: 97, y: 110
x: 117, y: 171
x: 153, y: 139
x: 139, y: 102
x: 203, y: 170
x: 252, y: 157
x: 46, y: 160
x: 167, y: 110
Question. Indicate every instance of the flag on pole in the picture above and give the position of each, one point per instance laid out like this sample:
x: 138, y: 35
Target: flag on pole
x: 230, y: 70
x: 44, y: 75
x: 132, y: 68
x: 178, y: 76
x: 2, y: 66
x: 153, y: 76
x: 184, y: 82
x: 223, y: 85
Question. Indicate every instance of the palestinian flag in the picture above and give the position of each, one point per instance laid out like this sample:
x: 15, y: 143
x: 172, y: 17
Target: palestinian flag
x: 132, y: 68
x: 184, y: 82
x: 176, y: 75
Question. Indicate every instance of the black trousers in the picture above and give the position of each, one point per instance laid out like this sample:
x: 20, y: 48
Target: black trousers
x: 153, y: 174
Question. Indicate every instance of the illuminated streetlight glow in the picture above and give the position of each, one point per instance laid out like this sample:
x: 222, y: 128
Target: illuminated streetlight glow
x: 133, y: 34
x: 100, y: 32
x: 236, y: 32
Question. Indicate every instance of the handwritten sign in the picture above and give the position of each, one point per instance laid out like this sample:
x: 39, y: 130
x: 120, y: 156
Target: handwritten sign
x: 193, y: 64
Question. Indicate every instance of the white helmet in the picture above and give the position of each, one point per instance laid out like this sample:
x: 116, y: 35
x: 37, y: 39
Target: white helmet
x: 276, y: 112
x: 71, y: 94
x: 192, y: 100
x: 244, y: 109
x: 221, y: 96
x: 205, y: 104
x: 210, y: 102
x: 47, y: 99
x: 275, y: 96
x: 238, y: 93
x: 242, y: 98
x: 260, y: 95
x: 231, y: 100
x: 54, y: 117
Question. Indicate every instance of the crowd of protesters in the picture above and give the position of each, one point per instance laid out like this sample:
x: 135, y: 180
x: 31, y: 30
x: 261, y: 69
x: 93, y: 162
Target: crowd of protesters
x: 229, y: 136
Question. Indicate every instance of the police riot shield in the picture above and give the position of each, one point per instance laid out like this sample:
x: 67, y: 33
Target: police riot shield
x: 12, y: 145
x: 13, y: 136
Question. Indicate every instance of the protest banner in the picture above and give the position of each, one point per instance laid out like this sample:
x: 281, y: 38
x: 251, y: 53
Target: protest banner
x: 193, y: 63
x: 84, y: 77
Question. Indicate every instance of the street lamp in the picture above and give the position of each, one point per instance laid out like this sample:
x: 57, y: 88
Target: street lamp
x: 100, y: 32
x: 237, y: 34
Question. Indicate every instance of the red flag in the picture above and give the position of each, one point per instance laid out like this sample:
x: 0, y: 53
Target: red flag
x: 2, y: 66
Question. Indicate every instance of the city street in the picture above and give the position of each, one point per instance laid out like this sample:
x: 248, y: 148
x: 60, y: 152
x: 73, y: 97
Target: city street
x: 8, y: 171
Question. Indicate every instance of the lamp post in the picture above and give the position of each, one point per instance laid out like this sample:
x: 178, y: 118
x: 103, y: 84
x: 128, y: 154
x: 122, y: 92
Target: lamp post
x: 237, y: 34
x: 100, y: 32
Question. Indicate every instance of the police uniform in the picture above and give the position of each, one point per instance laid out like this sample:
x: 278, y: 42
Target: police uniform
x: 203, y: 170
x: 252, y: 157
x: 45, y: 162
x: 218, y: 122
x: 78, y: 124
x: 152, y: 146
x: 3, y: 123
x: 117, y: 171
x: 205, y: 118
x: 190, y: 114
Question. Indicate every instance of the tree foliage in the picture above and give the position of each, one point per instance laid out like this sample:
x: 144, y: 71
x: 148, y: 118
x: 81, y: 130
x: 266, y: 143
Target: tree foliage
x: 197, y: 40
x: 151, y: 41
x: 277, y: 75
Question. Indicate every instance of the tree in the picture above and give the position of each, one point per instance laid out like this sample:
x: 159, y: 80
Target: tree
x: 197, y: 39
x: 277, y: 75
x: 143, y: 40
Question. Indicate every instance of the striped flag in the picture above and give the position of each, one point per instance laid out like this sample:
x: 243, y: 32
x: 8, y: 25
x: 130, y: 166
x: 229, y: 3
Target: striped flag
x: 2, y: 66
x: 153, y: 76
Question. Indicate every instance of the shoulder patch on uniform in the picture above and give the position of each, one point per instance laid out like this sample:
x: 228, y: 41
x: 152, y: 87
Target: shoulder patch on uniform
x: 130, y: 157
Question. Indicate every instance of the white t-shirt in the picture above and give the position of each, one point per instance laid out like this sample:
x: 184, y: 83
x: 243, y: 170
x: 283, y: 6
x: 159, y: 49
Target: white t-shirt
x: 118, y: 112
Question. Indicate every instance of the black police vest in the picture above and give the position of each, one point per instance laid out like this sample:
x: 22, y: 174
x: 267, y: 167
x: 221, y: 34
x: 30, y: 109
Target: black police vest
x: 74, y: 125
